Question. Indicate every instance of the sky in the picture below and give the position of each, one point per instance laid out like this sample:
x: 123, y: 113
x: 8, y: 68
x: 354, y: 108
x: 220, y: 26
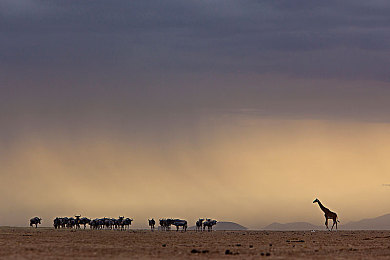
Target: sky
x: 241, y: 111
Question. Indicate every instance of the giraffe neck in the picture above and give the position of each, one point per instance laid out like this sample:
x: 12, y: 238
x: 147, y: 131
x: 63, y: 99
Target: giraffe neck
x: 322, y: 207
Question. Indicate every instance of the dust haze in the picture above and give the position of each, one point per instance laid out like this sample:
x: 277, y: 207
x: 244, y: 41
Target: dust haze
x: 234, y: 167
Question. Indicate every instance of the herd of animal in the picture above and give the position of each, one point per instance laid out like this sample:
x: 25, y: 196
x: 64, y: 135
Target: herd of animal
x: 122, y: 223
x: 98, y: 223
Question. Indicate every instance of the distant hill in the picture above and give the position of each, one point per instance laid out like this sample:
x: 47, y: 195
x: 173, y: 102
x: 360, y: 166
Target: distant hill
x: 225, y: 225
x: 379, y: 223
x: 293, y: 226
x: 229, y: 226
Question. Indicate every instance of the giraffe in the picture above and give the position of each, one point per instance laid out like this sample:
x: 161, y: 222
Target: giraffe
x: 328, y: 214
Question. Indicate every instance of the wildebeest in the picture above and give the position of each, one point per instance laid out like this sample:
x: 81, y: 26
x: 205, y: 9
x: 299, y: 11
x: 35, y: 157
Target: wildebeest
x: 96, y: 223
x: 166, y: 224
x: 60, y: 222
x: 119, y: 222
x: 100, y: 223
x: 108, y: 223
x: 64, y: 222
x: 179, y: 223
x: 57, y: 223
x: 84, y: 221
x: 35, y: 221
x: 199, y: 224
x: 151, y: 223
x: 209, y: 224
x: 126, y: 223
x: 77, y: 221
x: 71, y: 222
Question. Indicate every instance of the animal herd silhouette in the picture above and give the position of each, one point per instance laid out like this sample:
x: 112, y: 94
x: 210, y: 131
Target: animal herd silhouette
x: 123, y: 223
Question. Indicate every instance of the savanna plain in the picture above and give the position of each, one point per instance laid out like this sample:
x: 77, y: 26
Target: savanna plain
x: 48, y: 243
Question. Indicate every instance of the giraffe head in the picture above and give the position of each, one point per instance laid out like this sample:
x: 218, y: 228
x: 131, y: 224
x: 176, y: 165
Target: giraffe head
x: 316, y: 200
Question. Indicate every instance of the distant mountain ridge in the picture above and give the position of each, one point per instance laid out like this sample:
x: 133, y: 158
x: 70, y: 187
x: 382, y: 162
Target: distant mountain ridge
x: 229, y: 226
x: 378, y: 223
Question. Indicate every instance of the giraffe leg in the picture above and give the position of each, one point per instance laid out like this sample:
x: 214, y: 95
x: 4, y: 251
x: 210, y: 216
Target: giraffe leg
x: 326, y: 223
x: 334, y: 222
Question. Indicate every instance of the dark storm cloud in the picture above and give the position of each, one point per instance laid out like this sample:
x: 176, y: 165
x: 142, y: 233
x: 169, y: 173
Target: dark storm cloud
x: 211, y: 28
x: 169, y: 55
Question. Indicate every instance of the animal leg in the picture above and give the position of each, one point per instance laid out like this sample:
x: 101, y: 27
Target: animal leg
x: 334, y: 222
x: 326, y: 223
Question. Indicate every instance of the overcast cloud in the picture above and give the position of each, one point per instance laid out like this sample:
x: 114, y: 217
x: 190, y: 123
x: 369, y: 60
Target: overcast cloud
x: 300, y: 59
x: 256, y: 36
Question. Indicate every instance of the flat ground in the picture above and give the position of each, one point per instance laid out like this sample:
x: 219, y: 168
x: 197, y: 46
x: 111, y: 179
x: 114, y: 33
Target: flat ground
x: 140, y: 244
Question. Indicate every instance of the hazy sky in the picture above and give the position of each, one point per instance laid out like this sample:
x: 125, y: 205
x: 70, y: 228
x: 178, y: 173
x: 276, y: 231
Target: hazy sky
x: 236, y: 110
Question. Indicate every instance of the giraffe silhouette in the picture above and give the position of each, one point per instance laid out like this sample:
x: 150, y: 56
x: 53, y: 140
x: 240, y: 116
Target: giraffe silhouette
x: 328, y: 214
